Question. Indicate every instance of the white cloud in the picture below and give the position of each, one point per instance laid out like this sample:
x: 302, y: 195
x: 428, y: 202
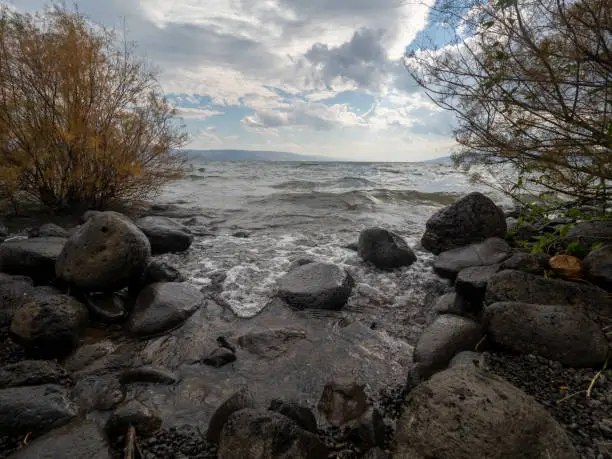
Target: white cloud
x: 196, y: 113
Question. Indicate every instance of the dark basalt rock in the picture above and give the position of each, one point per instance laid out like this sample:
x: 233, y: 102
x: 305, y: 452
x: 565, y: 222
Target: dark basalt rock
x: 272, y: 343
x: 49, y: 230
x: 316, y: 285
x: 35, y: 258
x: 34, y: 409
x: 147, y: 374
x: 49, y: 325
x: 275, y: 437
x: 384, y: 249
x: 109, y: 308
x: 471, y: 284
x: 165, y: 234
x: 301, y: 415
x: 490, y: 252
x: 238, y: 401
x: 472, y: 218
x: 219, y: 357
x: 163, y: 306
x: 14, y: 291
x: 32, y: 373
x: 526, y: 262
x: 557, y: 332
x: 99, y: 392
x: 597, y: 267
x: 133, y: 413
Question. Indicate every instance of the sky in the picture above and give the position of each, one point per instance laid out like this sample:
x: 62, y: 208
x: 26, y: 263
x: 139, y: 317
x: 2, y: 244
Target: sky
x: 320, y: 77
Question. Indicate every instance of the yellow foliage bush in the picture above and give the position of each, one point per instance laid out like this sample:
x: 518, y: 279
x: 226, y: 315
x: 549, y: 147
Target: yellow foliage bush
x: 83, y: 121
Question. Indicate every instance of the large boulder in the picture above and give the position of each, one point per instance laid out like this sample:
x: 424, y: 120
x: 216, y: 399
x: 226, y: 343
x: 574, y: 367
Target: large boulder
x: 78, y: 440
x: 316, y: 285
x: 32, y: 257
x: 32, y: 373
x: 557, y: 332
x: 472, y: 218
x: 240, y: 400
x: 145, y: 420
x: 597, y: 267
x: 34, y: 409
x: 444, y: 338
x: 490, y: 252
x: 163, y: 306
x: 471, y: 284
x: 14, y: 291
x: 49, y: 325
x: 588, y: 233
x: 464, y: 413
x: 523, y: 287
x: 384, y: 249
x: 533, y: 264
x: 106, y: 253
x: 255, y: 434
x: 165, y: 234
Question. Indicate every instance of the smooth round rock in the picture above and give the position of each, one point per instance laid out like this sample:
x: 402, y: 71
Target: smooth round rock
x: 557, y: 332
x: 32, y: 373
x: 240, y: 400
x: 490, y: 252
x: 316, y: 285
x: 34, y: 409
x: 148, y: 374
x: 165, y: 234
x: 267, y: 435
x: 49, y: 325
x: 163, y: 306
x: 14, y: 291
x: 597, y: 267
x: 35, y: 258
x: 145, y: 420
x: 105, y: 254
x: 463, y: 413
x: 472, y: 218
x: 384, y: 249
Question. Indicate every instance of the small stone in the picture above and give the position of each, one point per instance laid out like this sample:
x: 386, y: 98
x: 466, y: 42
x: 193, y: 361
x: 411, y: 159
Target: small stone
x: 302, y: 415
x: 147, y: 374
x: 343, y: 401
x: 133, y: 413
x: 566, y: 266
x: 219, y: 357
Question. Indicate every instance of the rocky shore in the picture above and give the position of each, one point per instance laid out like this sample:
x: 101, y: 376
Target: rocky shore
x: 107, y: 351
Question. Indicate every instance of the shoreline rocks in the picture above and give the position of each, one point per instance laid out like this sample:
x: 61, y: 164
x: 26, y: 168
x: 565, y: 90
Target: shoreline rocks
x: 35, y: 258
x: 165, y: 234
x: 384, y: 249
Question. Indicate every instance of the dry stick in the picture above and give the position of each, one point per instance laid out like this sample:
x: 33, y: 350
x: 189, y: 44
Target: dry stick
x: 130, y: 440
x: 597, y: 375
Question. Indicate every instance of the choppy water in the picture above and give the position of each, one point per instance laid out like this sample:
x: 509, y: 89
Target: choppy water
x: 309, y: 210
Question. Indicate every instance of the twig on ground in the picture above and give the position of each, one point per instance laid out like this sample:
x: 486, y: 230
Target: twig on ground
x: 130, y: 441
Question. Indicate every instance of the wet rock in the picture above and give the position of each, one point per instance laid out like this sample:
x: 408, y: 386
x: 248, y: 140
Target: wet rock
x: 99, y: 392
x: 450, y: 303
x: 87, y: 354
x: 343, y: 401
x: 78, y: 440
x: 271, y: 343
x: 471, y: 284
x: 526, y: 262
x: 165, y: 234
x: 108, y: 308
x: 522, y: 287
x: 468, y: 359
x: 557, y: 332
x: 14, y: 291
x: 219, y: 357
x: 3, y: 232
x: 472, y: 218
x: 384, y: 249
x: 353, y: 246
x: 597, y: 267
x: 240, y: 400
x: 34, y: 409
x: 49, y: 325
x: 157, y: 271
x: 566, y: 266
x: 163, y: 306
x: 301, y: 415
x: 367, y: 431
x: 267, y: 435
x: 490, y: 252
x: 588, y: 233
x: 241, y: 234
x: 145, y: 420
x: 444, y: 418
x: 316, y: 285
x: 32, y: 373
x: 444, y: 338
x: 105, y: 254
x: 49, y: 230
x: 147, y: 374
x: 376, y: 453
x: 31, y: 257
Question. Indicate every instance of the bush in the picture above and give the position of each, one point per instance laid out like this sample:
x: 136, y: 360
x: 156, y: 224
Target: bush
x: 83, y: 121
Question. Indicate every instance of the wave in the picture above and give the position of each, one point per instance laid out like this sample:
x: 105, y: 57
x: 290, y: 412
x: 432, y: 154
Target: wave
x: 296, y: 184
x: 350, y: 182
x: 359, y: 199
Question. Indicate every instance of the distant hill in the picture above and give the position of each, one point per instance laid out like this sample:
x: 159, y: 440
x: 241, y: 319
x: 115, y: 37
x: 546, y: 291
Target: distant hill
x: 250, y: 155
x: 441, y: 160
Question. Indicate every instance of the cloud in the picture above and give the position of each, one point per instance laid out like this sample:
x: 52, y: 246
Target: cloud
x: 197, y: 113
